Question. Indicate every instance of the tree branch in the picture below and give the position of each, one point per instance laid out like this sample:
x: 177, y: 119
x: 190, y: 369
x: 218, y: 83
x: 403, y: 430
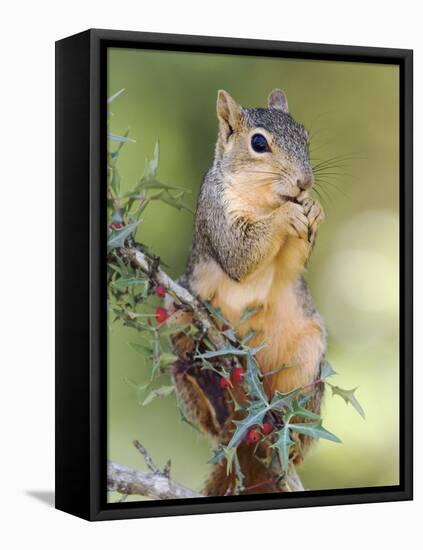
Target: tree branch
x: 158, y: 486
x: 201, y: 315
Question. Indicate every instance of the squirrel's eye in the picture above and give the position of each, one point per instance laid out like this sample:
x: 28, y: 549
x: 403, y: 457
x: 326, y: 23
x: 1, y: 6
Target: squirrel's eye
x: 259, y: 144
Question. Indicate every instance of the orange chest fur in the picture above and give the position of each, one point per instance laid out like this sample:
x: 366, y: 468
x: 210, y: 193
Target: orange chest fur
x: 280, y: 323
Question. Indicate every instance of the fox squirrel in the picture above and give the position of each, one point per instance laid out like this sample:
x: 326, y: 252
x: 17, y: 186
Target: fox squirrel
x: 255, y: 226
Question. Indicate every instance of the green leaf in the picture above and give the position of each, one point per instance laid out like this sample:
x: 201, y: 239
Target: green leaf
x: 148, y: 184
x: 230, y: 335
x: 249, y: 312
x: 230, y: 455
x: 153, y: 164
x: 283, y: 445
x: 249, y: 336
x: 298, y: 410
x: 120, y: 139
x: 183, y: 417
x: 119, y: 237
x: 218, y: 456
x: 282, y: 401
x: 169, y: 330
x: 175, y: 203
x: 349, y: 397
x: 229, y: 350
x: 115, y: 183
x: 140, y: 348
x: 167, y: 359
x: 117, y: 216
x: 315, y: 430
x: 139, y: 388
x: 256, y: 412
x: 163, y: 391
x: 217, y: 314
x: 252, y: 378
x: 132, y: 281
x: 254, y: 351
x: 326, y: 370
x: 114, y: 96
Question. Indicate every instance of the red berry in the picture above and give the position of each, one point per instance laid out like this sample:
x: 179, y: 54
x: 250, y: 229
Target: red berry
x: 160, y: 291
x: 117, y: 226
x: 237, y: 375
x: 161, y: 315
x: 224, y: 383
x: 253, y: 436
x: 266, y: 428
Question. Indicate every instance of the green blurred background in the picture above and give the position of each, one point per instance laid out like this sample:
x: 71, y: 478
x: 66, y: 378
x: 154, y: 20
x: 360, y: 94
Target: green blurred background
x: 350, y: 109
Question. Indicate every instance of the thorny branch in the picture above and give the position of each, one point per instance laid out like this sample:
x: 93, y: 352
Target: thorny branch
x: 157, y: 484
x: 201, y: 315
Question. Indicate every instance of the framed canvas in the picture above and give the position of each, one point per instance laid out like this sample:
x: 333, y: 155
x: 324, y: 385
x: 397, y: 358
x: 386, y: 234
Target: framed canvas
x: 234, y: 274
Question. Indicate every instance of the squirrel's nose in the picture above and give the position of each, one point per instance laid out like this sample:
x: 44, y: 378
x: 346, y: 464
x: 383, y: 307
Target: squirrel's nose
x: 305, y: 182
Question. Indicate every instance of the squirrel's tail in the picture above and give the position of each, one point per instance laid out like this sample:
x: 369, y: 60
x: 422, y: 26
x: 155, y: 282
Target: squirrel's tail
x: 257, y: 477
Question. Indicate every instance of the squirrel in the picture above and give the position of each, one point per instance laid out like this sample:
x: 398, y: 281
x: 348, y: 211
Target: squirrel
x: 255, y: 226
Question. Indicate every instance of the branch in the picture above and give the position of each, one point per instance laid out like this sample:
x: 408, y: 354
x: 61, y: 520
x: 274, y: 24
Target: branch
x: 129, y: 481
x: 156, y: 484
x: 201, y: 315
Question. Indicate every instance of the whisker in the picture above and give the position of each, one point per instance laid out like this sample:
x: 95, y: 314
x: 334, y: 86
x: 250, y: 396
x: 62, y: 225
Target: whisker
x: 334, y: 186
x: 323, y: 192
x: 334, y: 174
x: 321, y: 199
x: 337, y: 159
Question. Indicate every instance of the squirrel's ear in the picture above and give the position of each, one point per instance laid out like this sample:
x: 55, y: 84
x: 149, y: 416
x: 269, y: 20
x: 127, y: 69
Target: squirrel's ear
x: 278, y: 100
x: 228, y: 112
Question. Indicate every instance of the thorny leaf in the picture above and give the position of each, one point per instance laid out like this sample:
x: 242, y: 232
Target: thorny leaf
x: 249, y: 312
x: 315, y: 430
x: 119, y: 237
x: 133, y: 281
x: 349, y: 397
x: 326, y: 370
x: 283, y: 444
x: 120, y: 139
x: 163, y: 391
x: 114, y: 96
x: 252, y: 378
x: 153, y: 164
x: 255, y: 414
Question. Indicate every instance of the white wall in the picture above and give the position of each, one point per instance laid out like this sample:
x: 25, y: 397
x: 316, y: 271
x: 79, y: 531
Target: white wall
x: 26, y: 239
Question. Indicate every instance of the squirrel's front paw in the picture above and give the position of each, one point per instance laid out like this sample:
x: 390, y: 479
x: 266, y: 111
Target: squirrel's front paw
x: 296, y: 222
x: 315, y: 216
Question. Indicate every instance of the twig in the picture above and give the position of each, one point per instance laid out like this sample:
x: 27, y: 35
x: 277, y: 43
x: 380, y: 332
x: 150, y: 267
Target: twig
x: 148, y: 460
x: 128, y: 481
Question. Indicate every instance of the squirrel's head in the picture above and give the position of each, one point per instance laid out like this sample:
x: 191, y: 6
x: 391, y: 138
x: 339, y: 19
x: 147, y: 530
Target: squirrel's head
x: 263, y: 152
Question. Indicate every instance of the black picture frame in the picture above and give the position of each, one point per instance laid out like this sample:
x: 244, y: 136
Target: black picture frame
x: 81, y: 282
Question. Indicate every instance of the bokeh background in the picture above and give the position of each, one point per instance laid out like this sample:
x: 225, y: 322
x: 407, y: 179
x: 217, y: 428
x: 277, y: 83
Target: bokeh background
x: 351, y: 109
